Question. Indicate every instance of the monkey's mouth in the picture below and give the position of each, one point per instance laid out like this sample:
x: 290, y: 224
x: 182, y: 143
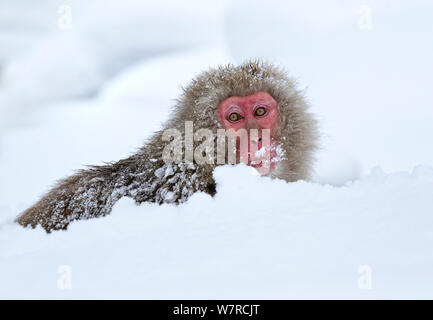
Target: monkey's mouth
x: 262, y: 157
x: 264, y: 165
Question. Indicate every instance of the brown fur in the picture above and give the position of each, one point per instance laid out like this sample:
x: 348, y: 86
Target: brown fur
x: 93, y: 192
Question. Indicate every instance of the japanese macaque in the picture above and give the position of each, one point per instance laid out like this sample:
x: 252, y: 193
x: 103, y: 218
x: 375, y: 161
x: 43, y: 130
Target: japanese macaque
x: 256, y: 98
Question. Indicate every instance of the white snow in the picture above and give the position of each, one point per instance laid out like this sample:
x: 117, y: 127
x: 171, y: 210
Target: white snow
x: 257, y: 238
x: 369, y: 209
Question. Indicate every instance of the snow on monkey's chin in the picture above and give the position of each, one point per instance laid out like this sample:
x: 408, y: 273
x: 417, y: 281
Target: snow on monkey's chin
x: 263, y: 158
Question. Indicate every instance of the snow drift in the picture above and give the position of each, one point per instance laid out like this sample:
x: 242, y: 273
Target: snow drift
x: 257, y: 239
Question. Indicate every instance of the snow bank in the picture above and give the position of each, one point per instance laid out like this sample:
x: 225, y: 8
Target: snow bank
x: 258, y: 238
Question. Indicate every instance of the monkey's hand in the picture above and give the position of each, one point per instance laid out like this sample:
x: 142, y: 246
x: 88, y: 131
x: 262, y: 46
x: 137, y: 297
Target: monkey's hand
x: 87, y: 194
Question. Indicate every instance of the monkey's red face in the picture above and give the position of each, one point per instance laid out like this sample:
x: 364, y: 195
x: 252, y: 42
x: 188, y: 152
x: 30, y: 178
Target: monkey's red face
x: 257, y: 111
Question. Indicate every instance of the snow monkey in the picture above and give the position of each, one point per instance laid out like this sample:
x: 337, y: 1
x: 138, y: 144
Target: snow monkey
x: 254, y: 95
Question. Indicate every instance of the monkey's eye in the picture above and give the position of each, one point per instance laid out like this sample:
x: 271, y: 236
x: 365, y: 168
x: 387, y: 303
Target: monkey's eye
x: 260, y: 112
x: 233, y: 117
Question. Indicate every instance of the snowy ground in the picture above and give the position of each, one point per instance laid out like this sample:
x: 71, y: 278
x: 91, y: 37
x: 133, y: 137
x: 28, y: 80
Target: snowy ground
x: 361, y: 229
x: 308, y: 246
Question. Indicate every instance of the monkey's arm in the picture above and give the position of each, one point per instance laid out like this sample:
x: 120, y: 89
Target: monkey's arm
x: 92, y: 193
x: 88, y: 193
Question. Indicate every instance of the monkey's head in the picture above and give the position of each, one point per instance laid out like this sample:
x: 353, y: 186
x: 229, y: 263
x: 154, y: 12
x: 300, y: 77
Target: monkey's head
x: 254, y: 95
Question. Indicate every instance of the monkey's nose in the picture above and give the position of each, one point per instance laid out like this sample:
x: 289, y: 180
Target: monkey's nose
x: 252, y: 124
x: 256, y: 142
